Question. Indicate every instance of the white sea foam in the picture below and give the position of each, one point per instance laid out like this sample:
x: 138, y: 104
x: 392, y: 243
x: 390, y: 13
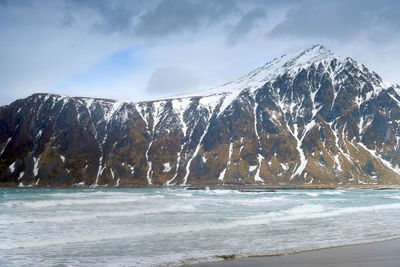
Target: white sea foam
x: 297, y: 213
x: 96, y: 215
x: 91, y: 193
x: 304, y: 209
x: 183, y: 194
x: 219, y: 191
x: 333, y: 192
x: 69, y: 202
x: 311, y: 212
x: 314, y: 193
x: 255, y: 201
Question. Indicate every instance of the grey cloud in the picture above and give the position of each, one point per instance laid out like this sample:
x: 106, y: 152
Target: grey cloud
x: 33, y: 41
x: 173, y: 80
x: 113, y: 16
x: 273, y: 3
x: 338, y: 19
x: 246, y: 24
x: 172, y: 16
x: 151, y: 18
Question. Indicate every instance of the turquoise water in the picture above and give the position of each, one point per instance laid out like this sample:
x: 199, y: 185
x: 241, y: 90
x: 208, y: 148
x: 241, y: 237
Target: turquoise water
x: 146, y: 227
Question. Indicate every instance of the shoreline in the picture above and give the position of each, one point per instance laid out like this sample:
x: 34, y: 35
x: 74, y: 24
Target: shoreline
x: 254, y: 187
x: 383, y: 253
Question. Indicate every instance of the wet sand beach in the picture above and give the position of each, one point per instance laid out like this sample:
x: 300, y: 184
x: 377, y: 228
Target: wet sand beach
x: 382, y: 254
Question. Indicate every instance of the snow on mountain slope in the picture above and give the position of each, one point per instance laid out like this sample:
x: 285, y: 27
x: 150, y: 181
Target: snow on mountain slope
x: 303, y: 118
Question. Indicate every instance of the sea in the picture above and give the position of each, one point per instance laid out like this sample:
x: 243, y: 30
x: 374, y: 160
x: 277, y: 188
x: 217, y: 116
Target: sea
x: 176, y: 226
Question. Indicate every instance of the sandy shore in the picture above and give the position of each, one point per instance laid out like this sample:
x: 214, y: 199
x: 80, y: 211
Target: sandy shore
x: 382, y: 254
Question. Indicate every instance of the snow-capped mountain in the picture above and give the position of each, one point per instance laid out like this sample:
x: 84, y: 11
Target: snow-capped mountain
x: 307, y: 118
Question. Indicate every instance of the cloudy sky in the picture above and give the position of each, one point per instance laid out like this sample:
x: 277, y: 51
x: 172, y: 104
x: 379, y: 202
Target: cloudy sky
x: 147, y: 49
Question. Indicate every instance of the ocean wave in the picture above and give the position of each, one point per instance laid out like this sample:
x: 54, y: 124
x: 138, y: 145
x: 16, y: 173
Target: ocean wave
x: 219, y: 191
x: 301, y: 192
x: 254, y: 201
x: 95, y: 215
x: 312, y: 194
x: 69, y: 202
x: 86, y: 194
x: 308, y: 211
x: 333, y: 192
x: 311, y: 212
x: 292, y: 213
x: 296, y: 213
x: 315, y: 193
x: 183, y: 194
x: 307, y: 208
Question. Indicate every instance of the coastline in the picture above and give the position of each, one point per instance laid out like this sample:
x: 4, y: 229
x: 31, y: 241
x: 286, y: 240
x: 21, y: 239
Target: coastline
x: 226, y: 186
x: 383, y: 253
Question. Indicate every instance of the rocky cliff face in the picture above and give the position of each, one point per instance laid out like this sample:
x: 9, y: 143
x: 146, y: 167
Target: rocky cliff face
x: 308, y: 118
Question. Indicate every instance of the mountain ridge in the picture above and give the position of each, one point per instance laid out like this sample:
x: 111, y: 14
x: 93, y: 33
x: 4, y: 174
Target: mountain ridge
x: 308, y: 118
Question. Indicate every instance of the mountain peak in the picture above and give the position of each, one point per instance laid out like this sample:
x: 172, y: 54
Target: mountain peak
x: 290, y: 65
x: 315, y: 52
x: 317, y: 49
x: 287, y: 63
x: 311, y: 55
